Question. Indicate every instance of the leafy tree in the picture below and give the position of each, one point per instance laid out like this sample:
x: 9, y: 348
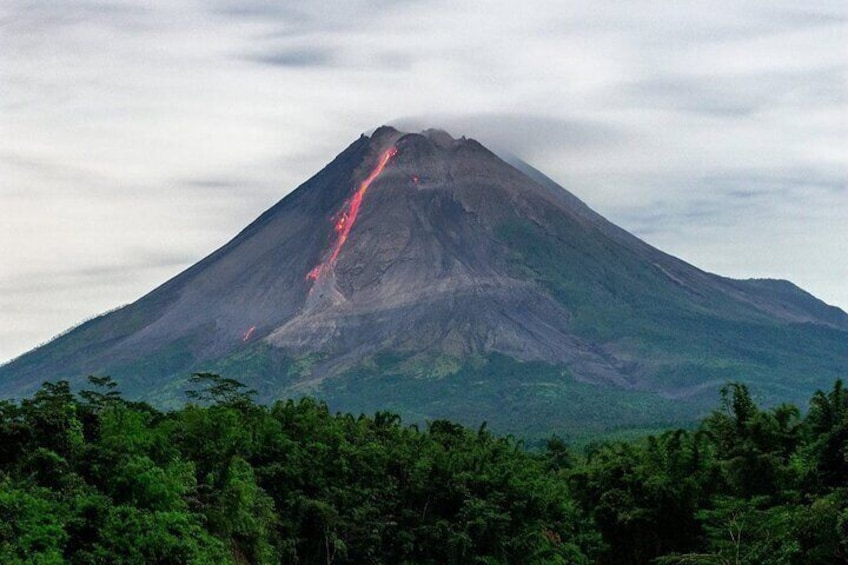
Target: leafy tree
x: 827, y: 423
x: 215, y: 389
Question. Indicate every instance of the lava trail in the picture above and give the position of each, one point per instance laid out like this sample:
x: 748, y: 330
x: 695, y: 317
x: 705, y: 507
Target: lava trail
x: 347, y: 217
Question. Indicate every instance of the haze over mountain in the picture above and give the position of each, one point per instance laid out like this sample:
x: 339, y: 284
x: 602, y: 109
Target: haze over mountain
x: 422, y: 273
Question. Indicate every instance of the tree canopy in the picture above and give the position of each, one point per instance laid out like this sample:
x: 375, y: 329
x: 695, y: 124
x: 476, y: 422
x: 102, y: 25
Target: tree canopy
x: 94, y: 478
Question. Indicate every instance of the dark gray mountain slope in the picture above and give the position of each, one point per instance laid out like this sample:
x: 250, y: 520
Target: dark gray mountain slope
x: 423, y: 273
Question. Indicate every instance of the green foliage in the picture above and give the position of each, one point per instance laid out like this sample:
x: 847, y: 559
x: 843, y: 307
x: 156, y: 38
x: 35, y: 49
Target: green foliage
x: 748, y: 486
x: 31, y: 526
x: 218, y: 390
x: 687, y: 333
x: 535, y: 399
x: 97, y: 479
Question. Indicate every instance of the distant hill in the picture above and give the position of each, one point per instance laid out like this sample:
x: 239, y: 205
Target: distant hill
x: 422, y: 273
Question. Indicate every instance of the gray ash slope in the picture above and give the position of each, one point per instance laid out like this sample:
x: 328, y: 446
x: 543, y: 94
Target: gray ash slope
x: 466, y: 288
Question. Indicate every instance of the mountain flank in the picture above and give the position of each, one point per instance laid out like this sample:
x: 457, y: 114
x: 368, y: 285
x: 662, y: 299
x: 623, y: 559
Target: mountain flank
x: 422, y: 273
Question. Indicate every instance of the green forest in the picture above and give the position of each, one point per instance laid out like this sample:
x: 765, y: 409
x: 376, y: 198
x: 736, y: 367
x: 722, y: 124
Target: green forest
x: 91, y: 477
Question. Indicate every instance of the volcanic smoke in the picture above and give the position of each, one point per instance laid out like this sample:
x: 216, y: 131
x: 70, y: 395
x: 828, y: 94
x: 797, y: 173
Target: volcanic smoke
x: 347, y: 217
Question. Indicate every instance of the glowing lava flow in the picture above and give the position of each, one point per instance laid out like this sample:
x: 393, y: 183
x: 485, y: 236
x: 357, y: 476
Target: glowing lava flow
x: 347, y: 217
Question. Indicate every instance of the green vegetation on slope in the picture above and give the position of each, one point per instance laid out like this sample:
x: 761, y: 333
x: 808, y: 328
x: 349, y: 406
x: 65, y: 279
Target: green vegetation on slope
x: 692, y: 336
x: 94, y: 478
x: 528, y: 399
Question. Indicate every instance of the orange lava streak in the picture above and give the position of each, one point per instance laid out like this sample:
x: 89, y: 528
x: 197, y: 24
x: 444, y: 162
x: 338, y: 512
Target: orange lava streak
x: 347, y: 217
x: 249, y: 333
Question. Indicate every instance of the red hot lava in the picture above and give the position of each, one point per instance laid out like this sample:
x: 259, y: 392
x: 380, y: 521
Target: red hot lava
x: 347, y: 217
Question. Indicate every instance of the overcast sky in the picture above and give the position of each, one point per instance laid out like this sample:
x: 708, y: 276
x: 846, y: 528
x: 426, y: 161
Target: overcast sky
x: 137, y: 137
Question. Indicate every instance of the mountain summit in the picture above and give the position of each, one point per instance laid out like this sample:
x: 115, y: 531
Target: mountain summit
x: 422, y: 273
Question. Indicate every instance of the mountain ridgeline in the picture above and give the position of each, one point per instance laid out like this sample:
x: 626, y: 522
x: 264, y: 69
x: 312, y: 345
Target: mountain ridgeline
x: 423, y: 274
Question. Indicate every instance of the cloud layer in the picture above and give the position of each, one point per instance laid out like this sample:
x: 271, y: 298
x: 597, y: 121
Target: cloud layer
x: 137, y: 137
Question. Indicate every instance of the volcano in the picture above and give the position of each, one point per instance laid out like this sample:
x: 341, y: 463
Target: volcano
x: 424, y: 274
